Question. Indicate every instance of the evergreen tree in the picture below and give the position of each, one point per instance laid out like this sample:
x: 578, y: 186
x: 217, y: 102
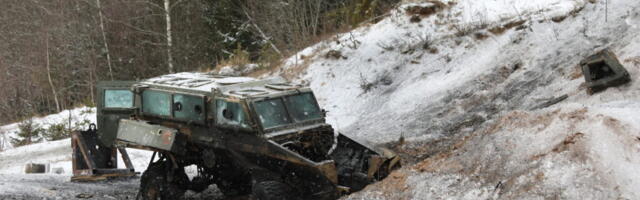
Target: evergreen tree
x: 56, y: 132
x: 29, y: 132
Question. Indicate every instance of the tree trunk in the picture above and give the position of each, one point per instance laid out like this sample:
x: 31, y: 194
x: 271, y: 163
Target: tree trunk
x: 104, y: 39
x: 264, y: 36
x: 53, y: 88
x: 91, y: 85
x: 167, y: 12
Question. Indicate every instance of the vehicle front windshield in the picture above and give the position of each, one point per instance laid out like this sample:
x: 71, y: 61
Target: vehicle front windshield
x: 272, y: 113
x: 290, y: 109
x: 303, y: 107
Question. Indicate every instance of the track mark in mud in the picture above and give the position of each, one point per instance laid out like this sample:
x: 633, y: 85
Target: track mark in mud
x: 633, y: 60
x: 567, y: 142
x: 575, y: 116
x: 522, y: 119
x: 575, y: 73
x: 614, y: 124
x: 393, y: 187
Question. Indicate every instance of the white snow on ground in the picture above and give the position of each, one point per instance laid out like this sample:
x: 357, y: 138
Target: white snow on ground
x: 73, y: 116
x: 390, y: 53
x: 56, y: 153
x: 476, y: 93
x: 462, y: 91
x: 55, y: 184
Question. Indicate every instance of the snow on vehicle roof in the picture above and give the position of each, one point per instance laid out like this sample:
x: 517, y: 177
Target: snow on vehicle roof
x: 229, y: 85
x: 195, y: 81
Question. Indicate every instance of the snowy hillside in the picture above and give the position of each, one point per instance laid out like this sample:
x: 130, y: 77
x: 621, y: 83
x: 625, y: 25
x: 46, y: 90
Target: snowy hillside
x: 74, y: 117
x: 460, y: 85
x: 15, y: 184
x: 55, y: 153
x: 461, y: 81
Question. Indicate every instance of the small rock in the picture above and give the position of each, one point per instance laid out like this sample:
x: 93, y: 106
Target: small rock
x: 415, y: 19
x: 84, y: 196
x: 32, y: 168
x: 58, y: 170
x: 335, y: 54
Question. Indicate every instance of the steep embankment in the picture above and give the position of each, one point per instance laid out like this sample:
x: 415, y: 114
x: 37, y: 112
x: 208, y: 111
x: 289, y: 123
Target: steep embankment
x: 460, y: 81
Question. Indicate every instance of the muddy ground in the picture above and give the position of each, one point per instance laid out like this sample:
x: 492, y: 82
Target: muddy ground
x: 49, y: 187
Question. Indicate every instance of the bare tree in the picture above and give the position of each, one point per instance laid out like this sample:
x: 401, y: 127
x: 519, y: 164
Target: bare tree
x: 104, y: 38
x: 167, y: 10
x: 262, y: 34
x: 53, y: 88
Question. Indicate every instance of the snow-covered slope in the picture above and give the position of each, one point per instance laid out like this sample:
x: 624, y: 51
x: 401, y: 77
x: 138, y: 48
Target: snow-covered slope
x: 415, y: 84
x: 56, y: 153
x: 461, y: 84
x: 15, y: 184
x: 73, y: 116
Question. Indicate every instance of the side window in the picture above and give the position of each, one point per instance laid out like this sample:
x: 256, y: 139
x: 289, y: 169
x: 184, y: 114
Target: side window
x: 229, y: 113
x: 118, y: 98
x: 156, y: 103
x: 188, y: 107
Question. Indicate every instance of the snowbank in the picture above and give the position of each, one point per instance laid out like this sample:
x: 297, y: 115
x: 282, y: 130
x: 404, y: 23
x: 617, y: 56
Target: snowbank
x: 56, y: 153
x: 73, y: 117
x: 443, y: 80
x: 404, y: 69
x: 460, y: 85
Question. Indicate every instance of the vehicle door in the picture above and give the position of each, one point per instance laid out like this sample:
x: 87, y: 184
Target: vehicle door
x: 115, y: 102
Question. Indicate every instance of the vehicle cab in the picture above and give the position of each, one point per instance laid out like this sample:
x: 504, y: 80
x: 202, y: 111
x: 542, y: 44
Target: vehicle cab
x: 271, y: 108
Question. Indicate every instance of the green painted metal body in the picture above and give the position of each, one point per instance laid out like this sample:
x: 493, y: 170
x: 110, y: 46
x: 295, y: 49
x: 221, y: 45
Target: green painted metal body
x: 269, y: 125
x: 151, y: 135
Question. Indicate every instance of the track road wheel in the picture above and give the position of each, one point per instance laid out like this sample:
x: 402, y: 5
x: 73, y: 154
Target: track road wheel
x: 154, y: 183
x: 232, y: 188
x: 199, y: 183
x: 272, y: 190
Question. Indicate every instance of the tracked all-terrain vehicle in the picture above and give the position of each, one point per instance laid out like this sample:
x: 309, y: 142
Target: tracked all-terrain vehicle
x: 265, y: 138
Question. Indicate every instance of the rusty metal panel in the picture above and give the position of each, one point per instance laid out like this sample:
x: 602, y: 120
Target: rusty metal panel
x: 146, y: 134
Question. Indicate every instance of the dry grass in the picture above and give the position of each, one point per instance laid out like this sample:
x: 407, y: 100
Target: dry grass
x: 239, y: 58
x: 480, y: 36
x: 576, y: 73
x: 463, y: 29
x: 265, y: 69
x: 425, y: 11
x: 500, y: 29
x: 300, y: 67
x: 633, y: 60
x: 567, y: 142
x: 393, y: 187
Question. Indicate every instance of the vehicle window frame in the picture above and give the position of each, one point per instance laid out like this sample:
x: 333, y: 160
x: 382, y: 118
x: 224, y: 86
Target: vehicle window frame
x: 315, y: 102
x: 172, y: 116
x: 142, y: 110
x: 103, y: 104
x: 284, y: 105
x: 247, y: 116
x: 203, y: 114
x: 287, y: 109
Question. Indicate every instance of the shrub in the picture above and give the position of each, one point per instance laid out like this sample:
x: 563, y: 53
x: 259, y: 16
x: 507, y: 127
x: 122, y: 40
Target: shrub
x: 56, y: 132
x: 384, y: 79
x: 28, y: 133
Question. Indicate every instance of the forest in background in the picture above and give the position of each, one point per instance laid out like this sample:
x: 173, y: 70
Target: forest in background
x: 54, y: 51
